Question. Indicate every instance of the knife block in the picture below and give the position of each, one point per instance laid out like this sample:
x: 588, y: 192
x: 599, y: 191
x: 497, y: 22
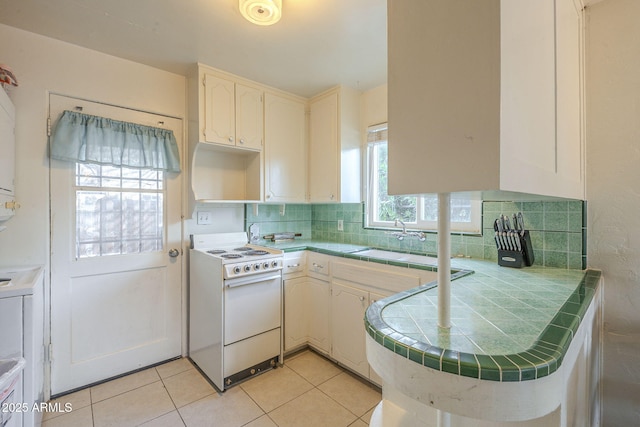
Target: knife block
x: 518, y: 259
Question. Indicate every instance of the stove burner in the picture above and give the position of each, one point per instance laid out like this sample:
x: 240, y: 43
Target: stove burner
x: 256, y: 252
x: 216, y: 251
x: 231, y: 256
x: 243, y: 249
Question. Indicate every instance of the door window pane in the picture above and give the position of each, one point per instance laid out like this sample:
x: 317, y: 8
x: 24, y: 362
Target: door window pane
x: 118, y: 211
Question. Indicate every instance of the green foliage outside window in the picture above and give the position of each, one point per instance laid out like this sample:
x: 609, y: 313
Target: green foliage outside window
x: 391, y: 208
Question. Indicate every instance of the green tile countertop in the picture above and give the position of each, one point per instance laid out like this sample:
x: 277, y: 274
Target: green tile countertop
x: 507, y: 324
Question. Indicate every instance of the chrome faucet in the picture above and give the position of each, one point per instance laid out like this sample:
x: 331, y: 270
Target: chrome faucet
x: 404, y: 227
x: 400, y: 235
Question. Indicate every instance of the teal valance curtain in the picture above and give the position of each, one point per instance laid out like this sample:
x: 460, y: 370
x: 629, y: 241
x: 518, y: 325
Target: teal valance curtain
x: 91, y: 139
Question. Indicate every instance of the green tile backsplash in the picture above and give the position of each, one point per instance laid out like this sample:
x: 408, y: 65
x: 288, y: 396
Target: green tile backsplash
x: 558, y: 230
x: 296, y: 218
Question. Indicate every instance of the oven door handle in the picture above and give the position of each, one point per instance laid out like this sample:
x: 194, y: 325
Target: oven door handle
x: 250, y: 280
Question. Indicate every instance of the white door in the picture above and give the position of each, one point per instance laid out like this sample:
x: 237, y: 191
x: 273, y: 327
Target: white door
x: 319, y: 303
x: 348, y: 306
x: 296, y: 320
x: 219, y: 110
x: 323, y: 150
x: 115, y: 290
x: 285, y: 155
x: 249, y: 117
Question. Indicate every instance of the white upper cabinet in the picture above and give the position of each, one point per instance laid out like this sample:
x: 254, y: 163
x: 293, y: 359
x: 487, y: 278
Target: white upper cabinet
x: 7, y: 156
x: 7, y: 144
x: 233, y: 113
x: 249, y: 117
x: 285, y: 151
x: 334, y: 147
x: 486, y: 96
x: 225, y: 117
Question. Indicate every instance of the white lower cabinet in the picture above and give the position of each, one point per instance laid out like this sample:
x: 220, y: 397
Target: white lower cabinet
x: 348, y: 305
x: 325, y: 308
x: 318, y: 311
x: 296, y: 321
x: 306, y: 314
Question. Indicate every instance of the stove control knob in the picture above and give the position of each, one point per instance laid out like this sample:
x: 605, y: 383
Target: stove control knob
x: 274, y: 264
x: 237, y: 269
x: 265, y: 265
x: 247, y: 268
x: 256, y: 267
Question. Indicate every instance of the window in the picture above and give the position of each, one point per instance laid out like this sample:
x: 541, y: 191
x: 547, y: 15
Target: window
x: 118, y: 210
x: 417, y: 212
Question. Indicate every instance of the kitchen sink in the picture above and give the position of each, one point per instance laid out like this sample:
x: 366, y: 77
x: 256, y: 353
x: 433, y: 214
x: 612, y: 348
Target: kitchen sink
x: 397, y: 256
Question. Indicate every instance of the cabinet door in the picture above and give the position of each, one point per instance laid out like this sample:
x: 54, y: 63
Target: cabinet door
x: 7, y: 141
x: 347, y: 327
x: 296, y: 309
x: 249, y: 117
x: 219, y: 110
x: 569, y: 88
x: 373, y: 375
x: 285, y: 150
x: 319, y: 302
x: 527, y: 77
x: 323, y: 150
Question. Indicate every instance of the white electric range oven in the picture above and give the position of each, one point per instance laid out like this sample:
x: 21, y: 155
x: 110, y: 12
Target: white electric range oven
x: 235, y: 307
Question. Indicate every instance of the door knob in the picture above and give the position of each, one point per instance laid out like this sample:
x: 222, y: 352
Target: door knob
x: 174, y: 253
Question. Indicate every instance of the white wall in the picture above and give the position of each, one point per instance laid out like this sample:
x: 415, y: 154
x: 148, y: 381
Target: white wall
x: 613, y: 195
x: 44, y: 65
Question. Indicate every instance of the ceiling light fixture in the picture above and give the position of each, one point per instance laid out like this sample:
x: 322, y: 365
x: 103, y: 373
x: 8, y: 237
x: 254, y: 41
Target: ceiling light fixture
x: 261, y: 12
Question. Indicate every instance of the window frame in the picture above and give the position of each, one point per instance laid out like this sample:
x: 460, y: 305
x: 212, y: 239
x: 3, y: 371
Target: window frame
x: 473, y: 227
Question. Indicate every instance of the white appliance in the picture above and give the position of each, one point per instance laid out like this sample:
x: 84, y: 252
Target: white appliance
x: 235, y: 307
x: 22, y: 336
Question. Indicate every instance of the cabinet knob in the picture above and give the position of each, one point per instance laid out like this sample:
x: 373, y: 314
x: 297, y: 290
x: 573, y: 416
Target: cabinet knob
x: 361, y: 298
x: 331, y: 197
x: 230, y: 139
x: 241, y: 140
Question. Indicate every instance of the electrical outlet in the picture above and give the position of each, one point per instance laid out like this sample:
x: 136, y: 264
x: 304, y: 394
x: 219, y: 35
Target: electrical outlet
x: 340, y: 225
x: 204, y: 218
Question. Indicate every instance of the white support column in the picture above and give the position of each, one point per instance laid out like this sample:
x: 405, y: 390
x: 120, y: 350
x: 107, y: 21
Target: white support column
x: 444, y: 260
x: 443, y: 419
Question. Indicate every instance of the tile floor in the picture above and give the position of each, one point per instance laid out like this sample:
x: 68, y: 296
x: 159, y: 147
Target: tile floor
x: 308, y: 391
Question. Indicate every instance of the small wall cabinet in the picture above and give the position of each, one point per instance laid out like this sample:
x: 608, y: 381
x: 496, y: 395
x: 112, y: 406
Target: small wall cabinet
x: 334, y: 147
x: 233, y: 113
x: 7, y: 159
x: 499, y: 109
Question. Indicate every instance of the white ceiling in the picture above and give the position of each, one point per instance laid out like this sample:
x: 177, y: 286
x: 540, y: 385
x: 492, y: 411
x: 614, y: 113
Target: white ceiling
x: 316, y: 45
